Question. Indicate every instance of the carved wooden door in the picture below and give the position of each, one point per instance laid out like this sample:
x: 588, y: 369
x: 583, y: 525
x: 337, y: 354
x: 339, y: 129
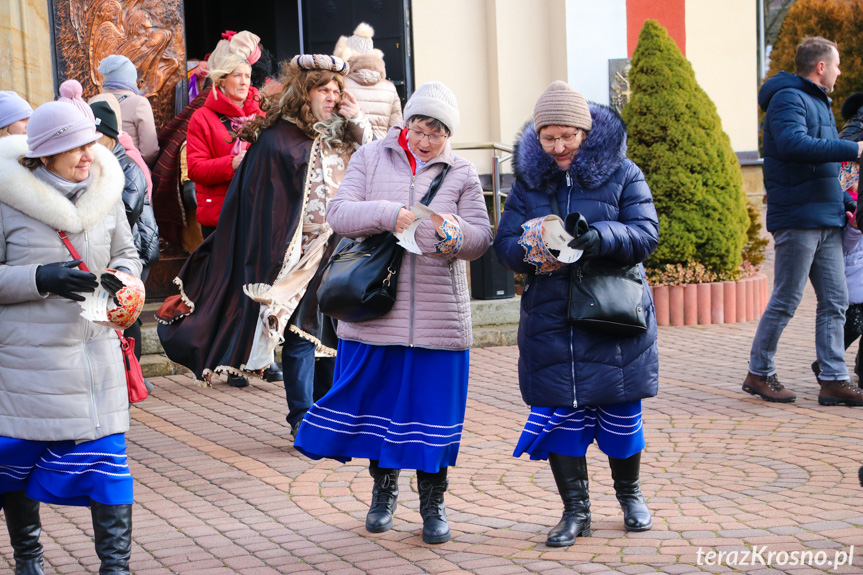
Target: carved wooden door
x: 148, y: 32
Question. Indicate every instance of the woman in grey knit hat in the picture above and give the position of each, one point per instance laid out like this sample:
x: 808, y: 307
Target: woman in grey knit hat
x: 581, y: 385
x: 400, y: 387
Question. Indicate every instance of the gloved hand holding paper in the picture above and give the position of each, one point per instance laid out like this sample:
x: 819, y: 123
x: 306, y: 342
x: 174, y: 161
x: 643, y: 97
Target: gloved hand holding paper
x: 556, y: 238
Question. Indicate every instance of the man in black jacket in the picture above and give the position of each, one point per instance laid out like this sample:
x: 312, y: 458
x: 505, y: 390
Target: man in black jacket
x: 806, y: 209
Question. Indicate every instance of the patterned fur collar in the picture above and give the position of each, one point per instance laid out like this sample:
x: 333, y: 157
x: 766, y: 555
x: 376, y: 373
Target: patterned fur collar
x: 600, y: 155
x: 20, y: 189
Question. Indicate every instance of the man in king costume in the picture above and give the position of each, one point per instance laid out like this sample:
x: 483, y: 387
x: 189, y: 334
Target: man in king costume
x: 252, y: 284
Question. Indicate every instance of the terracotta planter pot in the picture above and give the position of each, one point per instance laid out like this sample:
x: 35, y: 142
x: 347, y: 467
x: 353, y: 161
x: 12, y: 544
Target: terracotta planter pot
x: 756, y: 298
x: 729, y: 290
x: 741, y: 302
x: 749, y: 286
x: 765, y: 293
x: 660, y: 302
x: 690, y: 304
x: 717, y: 303
x: 704, y: 304
x: 675, y: 305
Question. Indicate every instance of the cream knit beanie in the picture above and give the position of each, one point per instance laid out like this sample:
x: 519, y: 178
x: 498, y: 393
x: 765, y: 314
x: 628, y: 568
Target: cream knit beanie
x: 434, y: 100
x: 561, y: 105
x: 360, y: 43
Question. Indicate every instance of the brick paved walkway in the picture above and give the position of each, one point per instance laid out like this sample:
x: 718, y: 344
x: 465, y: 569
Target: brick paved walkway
x: 220, y: 489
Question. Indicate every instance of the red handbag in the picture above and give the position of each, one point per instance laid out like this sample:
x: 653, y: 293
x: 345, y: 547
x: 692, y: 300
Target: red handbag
x: 134, y: 376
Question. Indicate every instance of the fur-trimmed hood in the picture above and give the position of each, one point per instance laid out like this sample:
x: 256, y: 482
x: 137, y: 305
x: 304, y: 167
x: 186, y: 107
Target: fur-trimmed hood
x: 601, y: 153
x: 22, y: 190
x: 367, y: 69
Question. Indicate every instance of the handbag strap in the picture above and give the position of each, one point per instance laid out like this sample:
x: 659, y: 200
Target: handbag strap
x: 435, y: 185
x: 82, y: 266
x: 552, y: 196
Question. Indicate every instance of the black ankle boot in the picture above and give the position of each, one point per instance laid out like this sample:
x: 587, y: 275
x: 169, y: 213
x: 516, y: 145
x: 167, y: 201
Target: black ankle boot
x: 636, y: 515
x: 112, y: 528
x: 431, y: 487
x: 570, y: 475
x: 24, y: 525
x: 385, y: 495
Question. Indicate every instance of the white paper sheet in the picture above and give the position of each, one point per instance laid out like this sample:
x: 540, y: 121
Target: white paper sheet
x: 557, y: 238
x: 407, y: 238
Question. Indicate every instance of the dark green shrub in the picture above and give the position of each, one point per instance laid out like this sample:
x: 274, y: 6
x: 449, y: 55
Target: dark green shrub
x: 676, y: 137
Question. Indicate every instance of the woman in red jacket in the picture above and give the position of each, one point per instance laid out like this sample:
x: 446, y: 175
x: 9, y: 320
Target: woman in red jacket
x: 212, y: 149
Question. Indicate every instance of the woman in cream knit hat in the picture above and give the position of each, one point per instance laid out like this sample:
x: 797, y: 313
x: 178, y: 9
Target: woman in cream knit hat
x: 367, y: 79
x: 582, y: 386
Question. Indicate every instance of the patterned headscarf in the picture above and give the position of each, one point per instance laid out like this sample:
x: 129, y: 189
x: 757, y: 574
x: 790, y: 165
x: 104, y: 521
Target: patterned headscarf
x: 321, y: 62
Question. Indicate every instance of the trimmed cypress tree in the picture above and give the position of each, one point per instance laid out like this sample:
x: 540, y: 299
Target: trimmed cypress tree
x: 676, y: 138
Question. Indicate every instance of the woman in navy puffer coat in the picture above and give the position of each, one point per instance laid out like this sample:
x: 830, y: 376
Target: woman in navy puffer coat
x: 581, y: 385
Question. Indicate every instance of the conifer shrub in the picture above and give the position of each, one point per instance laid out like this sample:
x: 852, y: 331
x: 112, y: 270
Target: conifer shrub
x: 676, y: 138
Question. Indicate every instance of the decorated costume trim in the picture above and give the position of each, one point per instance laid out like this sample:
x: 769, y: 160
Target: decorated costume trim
x: 184, y: 308
x: 536, y: 251
x: 452, y: 240
x: 321, y: 350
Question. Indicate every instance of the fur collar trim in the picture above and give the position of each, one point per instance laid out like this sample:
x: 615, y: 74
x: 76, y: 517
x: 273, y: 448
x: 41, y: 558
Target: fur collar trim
x: 600, y: 155
x: 371, y: 62
x: 20, y: 189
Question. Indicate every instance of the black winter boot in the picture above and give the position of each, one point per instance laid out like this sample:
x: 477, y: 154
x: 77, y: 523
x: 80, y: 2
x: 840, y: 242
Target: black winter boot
x: 570, y: 475
x: 431, y: 487
x: 112, y: 527
x: 636, y: 515
x: 24, y: 525
x: 385, y: 495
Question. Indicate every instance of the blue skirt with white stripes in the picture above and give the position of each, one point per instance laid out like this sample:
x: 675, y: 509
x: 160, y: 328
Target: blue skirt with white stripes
x: 617, y: 429
x: 63, y: 473
x: 402, y: 406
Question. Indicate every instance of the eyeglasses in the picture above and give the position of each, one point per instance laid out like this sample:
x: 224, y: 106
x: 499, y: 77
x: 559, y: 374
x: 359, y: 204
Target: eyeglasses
x: 566, y: 139
x: 434, y: 139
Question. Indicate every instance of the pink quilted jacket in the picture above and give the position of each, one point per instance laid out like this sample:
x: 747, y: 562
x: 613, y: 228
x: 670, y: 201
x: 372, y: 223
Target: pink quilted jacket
x: 432, y: 309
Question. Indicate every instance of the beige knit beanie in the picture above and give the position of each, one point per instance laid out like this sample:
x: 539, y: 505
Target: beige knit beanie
x: 360, y: 43
x: 561, y: 105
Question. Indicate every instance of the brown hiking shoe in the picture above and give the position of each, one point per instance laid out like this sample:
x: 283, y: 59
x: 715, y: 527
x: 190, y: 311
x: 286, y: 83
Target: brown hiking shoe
x: 836, y: 392
x: 767, y: 388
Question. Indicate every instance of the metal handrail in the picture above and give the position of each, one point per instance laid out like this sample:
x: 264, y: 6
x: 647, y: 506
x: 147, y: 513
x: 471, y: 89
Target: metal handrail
x: 496, y: 177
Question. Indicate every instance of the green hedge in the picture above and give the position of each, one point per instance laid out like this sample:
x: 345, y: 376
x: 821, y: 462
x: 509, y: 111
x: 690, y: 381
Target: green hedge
x: 676, y: 137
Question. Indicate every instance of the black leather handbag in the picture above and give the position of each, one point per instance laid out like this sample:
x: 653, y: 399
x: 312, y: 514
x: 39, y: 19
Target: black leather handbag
x: 359, y: 282
x: 604, y: 296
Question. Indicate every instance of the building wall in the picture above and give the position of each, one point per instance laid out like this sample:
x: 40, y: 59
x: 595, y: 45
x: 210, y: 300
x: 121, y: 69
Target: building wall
x: 25, y: 50
x: 497, y: 56
x: 597, y: 33
x: 722, y: 43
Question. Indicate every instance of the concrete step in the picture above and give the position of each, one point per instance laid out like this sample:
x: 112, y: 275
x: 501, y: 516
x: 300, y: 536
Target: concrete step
x: 495, y: 323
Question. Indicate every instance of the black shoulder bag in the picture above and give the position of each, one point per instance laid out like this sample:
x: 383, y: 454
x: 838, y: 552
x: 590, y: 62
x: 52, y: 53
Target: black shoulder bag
x: 359, y: 282
x: 604, y: 296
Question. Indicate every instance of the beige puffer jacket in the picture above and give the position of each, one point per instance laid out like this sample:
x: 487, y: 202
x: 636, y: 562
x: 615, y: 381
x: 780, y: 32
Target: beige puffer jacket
x: 376, y: 95
x: 61, y: 376
x: 432, y: 308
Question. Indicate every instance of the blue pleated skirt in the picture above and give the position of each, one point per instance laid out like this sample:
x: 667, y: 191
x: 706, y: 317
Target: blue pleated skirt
x: 63, y: 473
x: 402, y: 406
x: 617, y: 429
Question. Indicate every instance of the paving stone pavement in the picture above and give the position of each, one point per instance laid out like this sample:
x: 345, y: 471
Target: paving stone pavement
x: 220, y: 489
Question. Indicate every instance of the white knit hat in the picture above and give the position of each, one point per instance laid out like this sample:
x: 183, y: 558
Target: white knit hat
x: 360, y: 43
x: 434, y: 100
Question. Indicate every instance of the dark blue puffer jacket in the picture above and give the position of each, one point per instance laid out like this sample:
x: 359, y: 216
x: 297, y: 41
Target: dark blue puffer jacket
x: 560, y: 365
x: 802, y: 155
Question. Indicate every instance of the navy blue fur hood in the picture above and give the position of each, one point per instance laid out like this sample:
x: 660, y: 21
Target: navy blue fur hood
x: 600, y: 154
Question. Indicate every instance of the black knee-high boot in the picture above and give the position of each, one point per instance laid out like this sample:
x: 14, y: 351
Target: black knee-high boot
x: 24, y: 525
x: 385, y: 495
x: 431, y: 487
x: 570, y: 475
x: 112, y: 527
x: 636, y: 515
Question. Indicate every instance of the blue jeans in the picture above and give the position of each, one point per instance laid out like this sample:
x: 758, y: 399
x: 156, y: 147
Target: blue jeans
x: 306, y: 379
x: 816, y: 254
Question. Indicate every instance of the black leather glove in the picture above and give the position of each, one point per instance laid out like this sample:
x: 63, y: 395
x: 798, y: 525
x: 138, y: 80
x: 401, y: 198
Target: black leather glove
x: 112, y: 285
x: 589, y: 242
x: 64, y: 279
